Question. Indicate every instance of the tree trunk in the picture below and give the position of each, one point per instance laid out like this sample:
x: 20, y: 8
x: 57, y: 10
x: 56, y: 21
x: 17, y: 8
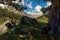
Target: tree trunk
x: 55, y: 7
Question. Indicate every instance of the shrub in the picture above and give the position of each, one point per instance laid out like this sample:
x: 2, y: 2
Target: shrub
x: 11, y: 15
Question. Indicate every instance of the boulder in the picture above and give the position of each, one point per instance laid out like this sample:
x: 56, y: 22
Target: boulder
x: 28, y: 21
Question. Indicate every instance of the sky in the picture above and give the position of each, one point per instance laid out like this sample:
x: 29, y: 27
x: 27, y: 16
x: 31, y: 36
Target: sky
x: 34, y: 6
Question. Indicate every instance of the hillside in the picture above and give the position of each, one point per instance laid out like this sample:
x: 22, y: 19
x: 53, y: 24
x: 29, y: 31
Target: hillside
x: 9, y: 15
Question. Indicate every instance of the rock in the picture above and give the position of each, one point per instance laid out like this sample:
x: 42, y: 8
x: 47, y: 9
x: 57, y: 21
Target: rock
x: 3, y: 6
x: 10, y: 24
x: 28, y: 21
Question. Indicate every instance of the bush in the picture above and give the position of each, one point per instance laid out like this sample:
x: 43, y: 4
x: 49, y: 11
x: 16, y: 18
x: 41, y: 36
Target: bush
x: 11, y: 15
x: 5, y: 13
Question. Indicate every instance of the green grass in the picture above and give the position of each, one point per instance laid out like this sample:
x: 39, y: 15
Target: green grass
x: 34, y: 29
x: 11, y: 15
x: 43, y: 19
x: 3, y: 19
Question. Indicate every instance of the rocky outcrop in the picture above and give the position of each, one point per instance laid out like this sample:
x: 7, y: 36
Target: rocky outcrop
x: 3, y: 28
x: 28, y: 21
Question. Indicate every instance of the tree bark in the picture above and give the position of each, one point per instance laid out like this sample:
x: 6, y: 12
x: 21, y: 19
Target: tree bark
x: 55, y: 6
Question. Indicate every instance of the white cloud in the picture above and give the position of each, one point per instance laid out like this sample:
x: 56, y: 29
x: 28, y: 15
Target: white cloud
x: 48, y: 4
x: 29, y: 5
x: 36, y: 11
x: 28, y: 12
x: 22, y: 2
x: 35, y: 14
x: 37, y: 8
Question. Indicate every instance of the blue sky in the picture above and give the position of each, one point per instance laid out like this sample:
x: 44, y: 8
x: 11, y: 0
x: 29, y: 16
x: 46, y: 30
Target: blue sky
x: 33, y: 4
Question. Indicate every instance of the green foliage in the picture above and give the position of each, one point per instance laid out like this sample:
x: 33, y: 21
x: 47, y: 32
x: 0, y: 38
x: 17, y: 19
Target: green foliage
x: 5, y: 13
x: 3, y: 19
x: 43, y: 19
x: 13, y: 35
x: 11, y: 15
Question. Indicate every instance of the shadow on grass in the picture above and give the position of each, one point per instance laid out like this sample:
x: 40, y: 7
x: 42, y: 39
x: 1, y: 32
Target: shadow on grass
x: 31, y: 25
